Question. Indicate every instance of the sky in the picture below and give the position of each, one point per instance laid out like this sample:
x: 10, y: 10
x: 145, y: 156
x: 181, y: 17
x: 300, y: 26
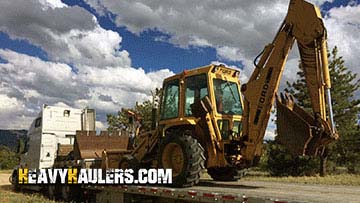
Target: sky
x: 107, y: 54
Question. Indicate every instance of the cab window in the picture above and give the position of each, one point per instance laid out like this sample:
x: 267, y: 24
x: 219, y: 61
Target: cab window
x: 170, y: 103
x: 195, y: 90
x: 227, y: 97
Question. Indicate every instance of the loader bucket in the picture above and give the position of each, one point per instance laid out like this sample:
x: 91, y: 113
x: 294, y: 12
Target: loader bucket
x: 298, y: 131
x: 88, y: 145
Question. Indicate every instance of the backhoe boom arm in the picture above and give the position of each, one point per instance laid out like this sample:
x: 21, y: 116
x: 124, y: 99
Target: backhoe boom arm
x: 304, y: 25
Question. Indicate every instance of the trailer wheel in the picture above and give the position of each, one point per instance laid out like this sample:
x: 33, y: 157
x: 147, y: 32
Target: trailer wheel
x: 51, y: 192
x: 66, y: 192
x: 224, y: 174
x: 13, y: 179
x: 184, y: 155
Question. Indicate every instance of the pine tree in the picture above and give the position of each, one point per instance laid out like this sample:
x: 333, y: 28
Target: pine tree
x: 345, y: 106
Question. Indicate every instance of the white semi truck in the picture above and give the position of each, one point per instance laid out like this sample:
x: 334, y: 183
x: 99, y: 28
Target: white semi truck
x: 53, y: 127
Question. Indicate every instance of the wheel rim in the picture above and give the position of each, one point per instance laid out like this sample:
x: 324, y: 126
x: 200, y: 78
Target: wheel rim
x: 173, y: 157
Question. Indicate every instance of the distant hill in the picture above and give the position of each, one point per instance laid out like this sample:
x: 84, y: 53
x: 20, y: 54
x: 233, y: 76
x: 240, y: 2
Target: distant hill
x: 9, y: 137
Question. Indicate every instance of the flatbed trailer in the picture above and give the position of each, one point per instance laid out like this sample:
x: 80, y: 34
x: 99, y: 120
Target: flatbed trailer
x: 127, y: 194
x: 226, y: 192
x: 216, y: 192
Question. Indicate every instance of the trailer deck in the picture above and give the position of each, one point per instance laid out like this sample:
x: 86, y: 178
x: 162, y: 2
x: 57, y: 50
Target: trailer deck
x: 243, y: 191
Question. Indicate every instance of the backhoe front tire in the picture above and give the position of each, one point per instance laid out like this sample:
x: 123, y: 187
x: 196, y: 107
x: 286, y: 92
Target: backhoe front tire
x: 184, y: 155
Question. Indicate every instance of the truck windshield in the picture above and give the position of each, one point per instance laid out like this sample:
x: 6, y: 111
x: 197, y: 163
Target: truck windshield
x: 227, y: 97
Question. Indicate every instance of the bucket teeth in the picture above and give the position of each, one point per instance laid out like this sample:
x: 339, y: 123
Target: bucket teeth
x: 287, y: 99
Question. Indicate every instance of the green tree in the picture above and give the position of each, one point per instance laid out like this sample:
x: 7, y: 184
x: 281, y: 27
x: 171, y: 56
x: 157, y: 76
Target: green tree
x: 8, y: 158
x: 345, y: 106
x: 281, y: 163
x: 142, y: 110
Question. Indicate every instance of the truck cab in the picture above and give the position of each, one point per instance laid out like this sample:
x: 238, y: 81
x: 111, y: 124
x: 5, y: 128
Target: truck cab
x: 54, y: 126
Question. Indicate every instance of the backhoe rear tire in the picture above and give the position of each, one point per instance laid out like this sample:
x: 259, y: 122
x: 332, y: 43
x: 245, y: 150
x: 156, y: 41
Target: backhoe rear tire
x: 184, y: 155
x: 224, y: 173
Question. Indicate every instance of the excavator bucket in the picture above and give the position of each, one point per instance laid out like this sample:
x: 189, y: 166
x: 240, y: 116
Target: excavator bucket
x: 298, y: 131
x: 88, y: 145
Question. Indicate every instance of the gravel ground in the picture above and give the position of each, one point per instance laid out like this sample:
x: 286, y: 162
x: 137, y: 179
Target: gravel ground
x: 4, y: 179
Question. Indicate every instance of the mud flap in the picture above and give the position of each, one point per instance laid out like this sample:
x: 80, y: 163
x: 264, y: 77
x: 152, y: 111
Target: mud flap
x: 297, y: 130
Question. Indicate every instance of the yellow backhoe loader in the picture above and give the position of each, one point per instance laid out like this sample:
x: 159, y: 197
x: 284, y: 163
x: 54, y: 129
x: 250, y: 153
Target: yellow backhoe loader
x: 204, y: 122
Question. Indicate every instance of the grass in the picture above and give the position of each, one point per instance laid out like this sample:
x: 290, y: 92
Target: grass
x: 13, y: 197
x: 8, y: 196
x: 339, y: 179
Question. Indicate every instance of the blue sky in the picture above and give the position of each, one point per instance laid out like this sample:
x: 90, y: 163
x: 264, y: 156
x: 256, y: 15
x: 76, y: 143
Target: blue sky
x: 108, y: 54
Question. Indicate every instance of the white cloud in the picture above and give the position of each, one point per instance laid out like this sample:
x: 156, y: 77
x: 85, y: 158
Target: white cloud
x: 52, y: 4
x: 13, y: 113
x: 229, y: 53
x: 35, y: 78
x: 28, y: 82
x: 96, y: 47
x: 269, y: 135
x: 9, y: 103
x: 343, y: 26
x: 66, y: 34
x: 104, y: 78
x: 100, y: 126
x: 237, y: 29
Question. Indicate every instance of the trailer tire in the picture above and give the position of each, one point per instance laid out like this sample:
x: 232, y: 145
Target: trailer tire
x: 184, y: 155
x: 51, y: 192
x: 66, y: 192
x: 13, y: 179
x: 224, y: 173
